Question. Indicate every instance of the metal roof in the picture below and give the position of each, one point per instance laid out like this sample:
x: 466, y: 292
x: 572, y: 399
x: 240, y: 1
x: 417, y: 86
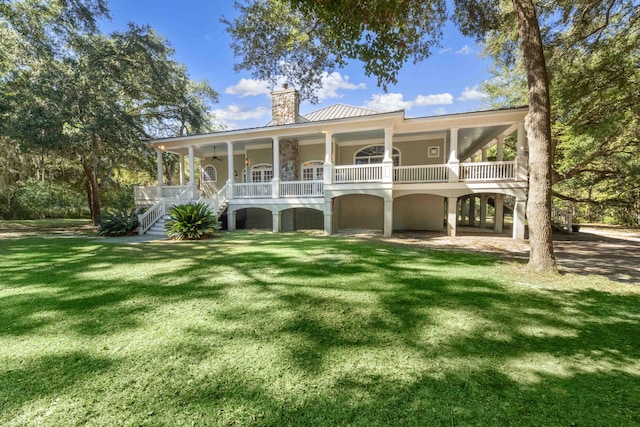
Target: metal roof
x: 338, y: 111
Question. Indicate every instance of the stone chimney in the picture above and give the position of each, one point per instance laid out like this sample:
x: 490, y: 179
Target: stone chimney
x: 285, y: 106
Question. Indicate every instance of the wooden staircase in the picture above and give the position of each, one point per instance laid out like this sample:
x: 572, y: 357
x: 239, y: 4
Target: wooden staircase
x: 159, y: 227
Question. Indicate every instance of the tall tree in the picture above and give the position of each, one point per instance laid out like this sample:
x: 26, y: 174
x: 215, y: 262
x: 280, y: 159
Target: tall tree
x: 73, y: 92
x: 594, y: 75
x: 384, y: 35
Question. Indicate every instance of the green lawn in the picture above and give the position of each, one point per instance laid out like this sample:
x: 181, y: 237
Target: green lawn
x: 288, y: 329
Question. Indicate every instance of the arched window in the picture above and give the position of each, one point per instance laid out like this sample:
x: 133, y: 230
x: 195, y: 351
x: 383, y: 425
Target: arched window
x: 313, y: 170
x: 261, y: 173
x: 375, y: 154
x: 209, y: 174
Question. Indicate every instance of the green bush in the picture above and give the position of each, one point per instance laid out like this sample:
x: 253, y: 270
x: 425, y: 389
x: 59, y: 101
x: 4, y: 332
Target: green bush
x: 118, y: 223
x: 35, y: 199
x: 192, y: 222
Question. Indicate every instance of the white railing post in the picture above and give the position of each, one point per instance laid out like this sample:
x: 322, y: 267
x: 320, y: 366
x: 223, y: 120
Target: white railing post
x: 454, y: 170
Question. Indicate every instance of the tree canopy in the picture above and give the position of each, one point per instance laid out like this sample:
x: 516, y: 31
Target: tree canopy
x: 72, y: 92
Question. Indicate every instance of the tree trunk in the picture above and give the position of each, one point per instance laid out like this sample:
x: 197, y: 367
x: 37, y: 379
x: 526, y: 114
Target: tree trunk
x: 91, y: 171
x: 541, y: 257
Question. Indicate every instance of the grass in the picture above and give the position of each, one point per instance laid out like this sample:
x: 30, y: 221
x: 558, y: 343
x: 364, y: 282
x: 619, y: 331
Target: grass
x: 287, y: 329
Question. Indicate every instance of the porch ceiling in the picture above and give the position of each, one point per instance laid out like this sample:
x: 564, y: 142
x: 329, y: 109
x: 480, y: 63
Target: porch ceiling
x: 470, y: 140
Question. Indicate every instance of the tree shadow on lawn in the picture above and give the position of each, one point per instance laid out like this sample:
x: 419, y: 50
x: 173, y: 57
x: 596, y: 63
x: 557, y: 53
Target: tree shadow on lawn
x: 365, y: 334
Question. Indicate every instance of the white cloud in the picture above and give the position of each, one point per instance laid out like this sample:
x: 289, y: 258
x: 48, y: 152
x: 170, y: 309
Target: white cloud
x: 331, y: 83
x: 441, y: 111
x: 435, y: 99
x: 471, y: 94
x: 249, y: 87
x: 445, y: 50
x: 236, y: 113
x: 465, y: 50
x: 388, y: 102
x: 396, y: 101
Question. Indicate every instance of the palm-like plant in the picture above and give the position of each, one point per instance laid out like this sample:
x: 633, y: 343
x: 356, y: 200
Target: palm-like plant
x: 192, y: 222
x: 118, y: 222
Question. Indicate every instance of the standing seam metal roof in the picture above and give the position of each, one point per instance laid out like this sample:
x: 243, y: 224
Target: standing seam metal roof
x: 338, y: 111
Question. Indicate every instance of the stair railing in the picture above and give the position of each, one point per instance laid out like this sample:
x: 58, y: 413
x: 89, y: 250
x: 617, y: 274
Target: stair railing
x: 151, y: 216
x: 221, y: 198
x: 186, y: 195
x: 561, y: 217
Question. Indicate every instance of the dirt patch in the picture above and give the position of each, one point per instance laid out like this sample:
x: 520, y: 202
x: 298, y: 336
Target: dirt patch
x: 608, y: 251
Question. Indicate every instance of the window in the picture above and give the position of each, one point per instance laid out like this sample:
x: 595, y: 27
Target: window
x: 375, y: 154
x: 261, y: 173
x: 209, y: 174
x: 313, y: 170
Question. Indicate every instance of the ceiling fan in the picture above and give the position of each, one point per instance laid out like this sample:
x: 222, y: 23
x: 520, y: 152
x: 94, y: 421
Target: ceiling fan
x: 214, y: 155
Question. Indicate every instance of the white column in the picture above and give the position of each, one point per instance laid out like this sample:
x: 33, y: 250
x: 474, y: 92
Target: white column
x: 328, y: 218
x: 452, y: 216
x: 275, y: 182
x: 387, y: 161
x: 483, y: 211
x: 472, y: 211
x: 276, y: 222
x: 388, y: 218
x: 230, y: 172
x: 192, y: 171
x: 181, y: 169
x: 521, y: 157
x: 483, y: 197
x: 231, y: 220
x: 498, y: 218
x: 388, y: 145
x: 500, y: 148
x: 328, y: 163
x: 518, y: 218
x: 159, y: 168
x: 454, y: 163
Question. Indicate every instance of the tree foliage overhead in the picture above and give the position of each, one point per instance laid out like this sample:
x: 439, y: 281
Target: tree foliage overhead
x: 299, y: 40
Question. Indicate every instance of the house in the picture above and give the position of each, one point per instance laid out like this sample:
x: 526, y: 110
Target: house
x: 345, y: 167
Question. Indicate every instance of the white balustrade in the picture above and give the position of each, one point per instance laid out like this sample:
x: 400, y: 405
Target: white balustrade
x: 302, y: 189
x: 145, y: 193
x: 488, y: 171
x: 251, y: 190
x: 147, y: 219
x: 426, y: 173
x: 357, y: 173
x: 172, y: 191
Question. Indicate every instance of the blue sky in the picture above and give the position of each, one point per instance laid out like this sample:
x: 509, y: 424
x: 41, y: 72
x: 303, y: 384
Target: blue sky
x: 447, y: 82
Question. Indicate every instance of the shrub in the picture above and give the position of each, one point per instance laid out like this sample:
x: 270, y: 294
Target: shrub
x: 192, y: 222
x: 118, y: 222
x: 35, y: 199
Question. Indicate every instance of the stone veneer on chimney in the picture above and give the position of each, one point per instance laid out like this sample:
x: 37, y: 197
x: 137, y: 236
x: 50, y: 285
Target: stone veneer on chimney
x: 285, y: 108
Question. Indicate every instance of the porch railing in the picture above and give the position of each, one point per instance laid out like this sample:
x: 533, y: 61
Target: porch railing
x: 173, y: 191
x: 488, y: 171
x: 147, y: 193
x: 187, y: 194
x: 357, y: 173
x: 418, y: 174
x: 147, y: 219
x: 301, y: 189
x: 252, y: 190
